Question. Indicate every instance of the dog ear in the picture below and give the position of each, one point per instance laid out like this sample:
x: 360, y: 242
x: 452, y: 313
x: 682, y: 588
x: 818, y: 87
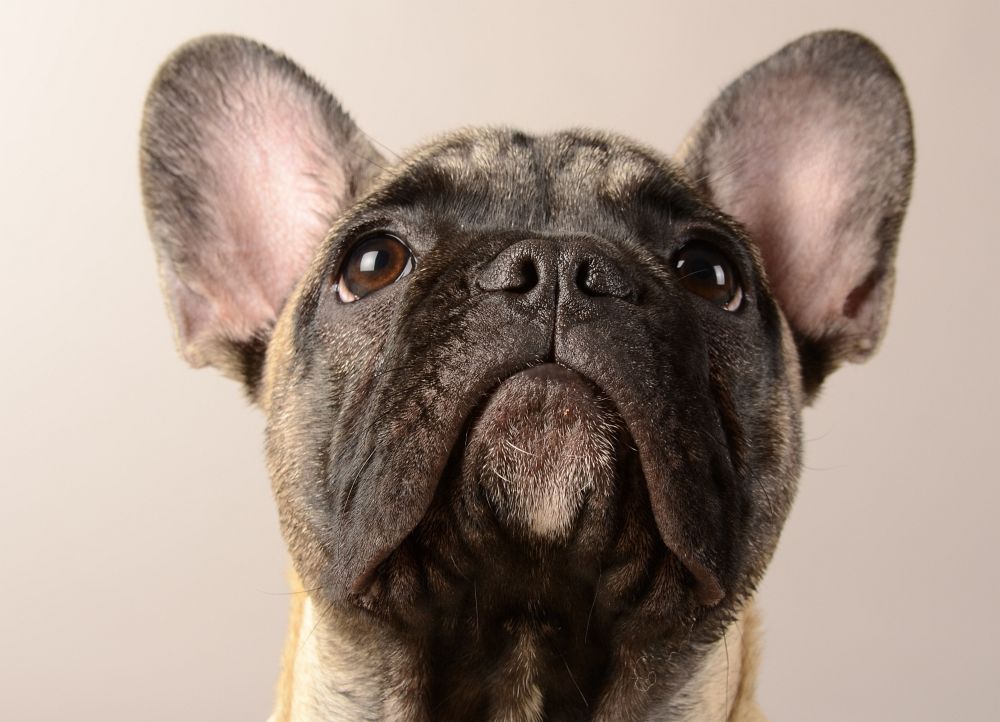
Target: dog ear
x: 812, y: 151
x: 245, y: 162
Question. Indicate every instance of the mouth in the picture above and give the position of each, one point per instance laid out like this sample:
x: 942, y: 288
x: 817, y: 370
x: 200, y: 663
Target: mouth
x: 545, y: 455
x: 540, y: 447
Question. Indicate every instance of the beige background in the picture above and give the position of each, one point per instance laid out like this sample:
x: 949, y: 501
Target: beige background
x: 140, y: 562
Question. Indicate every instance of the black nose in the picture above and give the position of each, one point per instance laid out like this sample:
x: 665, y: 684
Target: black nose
x: 559, y: 266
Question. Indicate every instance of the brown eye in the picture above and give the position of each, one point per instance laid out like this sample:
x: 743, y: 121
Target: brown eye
x: 372, y: 264
x: 705, y: 271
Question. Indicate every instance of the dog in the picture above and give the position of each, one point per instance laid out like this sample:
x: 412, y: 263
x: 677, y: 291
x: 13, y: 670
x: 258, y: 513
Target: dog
x: 533, y: 402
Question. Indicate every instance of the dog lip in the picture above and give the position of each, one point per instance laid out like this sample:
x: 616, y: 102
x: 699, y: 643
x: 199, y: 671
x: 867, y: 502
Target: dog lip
x: 557, y: 373
x: 358, y: 564
x: 363, y: 574
x: 551, y: 371
x: 546, y: 371
x: 708, y: 588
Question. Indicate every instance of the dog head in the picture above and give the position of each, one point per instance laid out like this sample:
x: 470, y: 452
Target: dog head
x: 560, y: 374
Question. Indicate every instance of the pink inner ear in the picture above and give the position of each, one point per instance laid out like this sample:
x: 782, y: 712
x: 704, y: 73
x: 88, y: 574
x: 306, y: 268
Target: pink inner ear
x: 794, y: 175
x: 273, y: 184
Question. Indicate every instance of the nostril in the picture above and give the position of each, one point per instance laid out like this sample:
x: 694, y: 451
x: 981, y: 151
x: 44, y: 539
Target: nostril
x: 527, y: 276
x: 598, y: 276
x: 517, y: 271
x: 584, y: 281
x: 591, y: 279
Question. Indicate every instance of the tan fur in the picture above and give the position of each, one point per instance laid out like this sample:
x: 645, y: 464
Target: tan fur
x: 286, y: 679
x: 329, y: 673
x: 745, y: 707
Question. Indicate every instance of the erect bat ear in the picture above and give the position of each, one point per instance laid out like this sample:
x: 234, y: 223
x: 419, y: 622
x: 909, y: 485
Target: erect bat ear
x: 245, y: 162
x: 812, y: 151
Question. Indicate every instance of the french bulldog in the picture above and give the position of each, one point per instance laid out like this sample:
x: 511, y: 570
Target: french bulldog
x: 533, y: 401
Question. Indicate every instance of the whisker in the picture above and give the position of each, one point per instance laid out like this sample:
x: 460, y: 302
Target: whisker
x: 354, y: 481
x: 725, y: 707
x: 593, y: 603
x: 382, y: 145
x: 508, y: 442
x: 837, y: 467
x: 573, y: 680
x: 289, y: 593
x: 319, y: 618
x: 475, y: 601
x: 365, y: 158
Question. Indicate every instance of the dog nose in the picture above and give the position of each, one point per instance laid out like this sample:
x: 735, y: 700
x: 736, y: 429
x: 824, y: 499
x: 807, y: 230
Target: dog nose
x: 560, y: 266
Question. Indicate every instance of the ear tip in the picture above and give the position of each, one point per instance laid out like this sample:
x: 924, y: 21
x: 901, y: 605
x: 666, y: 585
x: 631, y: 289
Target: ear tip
x: 209, y: 56
x: 838, y: 56
x: 848, y: 50
x: 212, y: 45
x: 204, y: 64
x: 842, y: 37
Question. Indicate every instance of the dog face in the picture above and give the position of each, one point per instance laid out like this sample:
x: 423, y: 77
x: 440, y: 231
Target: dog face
x: 541, y: 379
x: 514, y: 380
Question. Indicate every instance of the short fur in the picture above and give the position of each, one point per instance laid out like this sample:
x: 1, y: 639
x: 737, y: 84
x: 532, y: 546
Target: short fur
x: 539, y: 477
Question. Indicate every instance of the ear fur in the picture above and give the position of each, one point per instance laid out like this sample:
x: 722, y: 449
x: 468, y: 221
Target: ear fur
x: 812, y: 151
x: 245, y: 162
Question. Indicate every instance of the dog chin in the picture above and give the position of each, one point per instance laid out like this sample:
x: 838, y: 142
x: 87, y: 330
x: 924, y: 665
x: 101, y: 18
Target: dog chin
x: 542, y: 446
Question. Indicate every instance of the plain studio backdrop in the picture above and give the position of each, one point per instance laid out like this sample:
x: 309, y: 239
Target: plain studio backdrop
x: 142, y: 571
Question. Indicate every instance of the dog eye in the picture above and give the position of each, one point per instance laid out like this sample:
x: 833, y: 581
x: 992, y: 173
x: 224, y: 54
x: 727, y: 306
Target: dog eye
x: 705, y: 271
x: 374, y: 263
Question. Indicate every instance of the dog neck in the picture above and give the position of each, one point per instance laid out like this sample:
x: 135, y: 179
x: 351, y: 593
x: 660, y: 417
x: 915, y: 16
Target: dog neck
x: 333, y: 671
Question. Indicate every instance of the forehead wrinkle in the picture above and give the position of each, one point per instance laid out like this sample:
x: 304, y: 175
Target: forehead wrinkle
x: 505, y: 179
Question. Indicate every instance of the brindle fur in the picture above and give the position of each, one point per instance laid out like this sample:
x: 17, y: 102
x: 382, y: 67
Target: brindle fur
x: 434, y: 585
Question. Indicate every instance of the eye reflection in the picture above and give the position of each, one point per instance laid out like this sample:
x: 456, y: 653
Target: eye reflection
x: 705, y: 271
x: 374, y: 263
